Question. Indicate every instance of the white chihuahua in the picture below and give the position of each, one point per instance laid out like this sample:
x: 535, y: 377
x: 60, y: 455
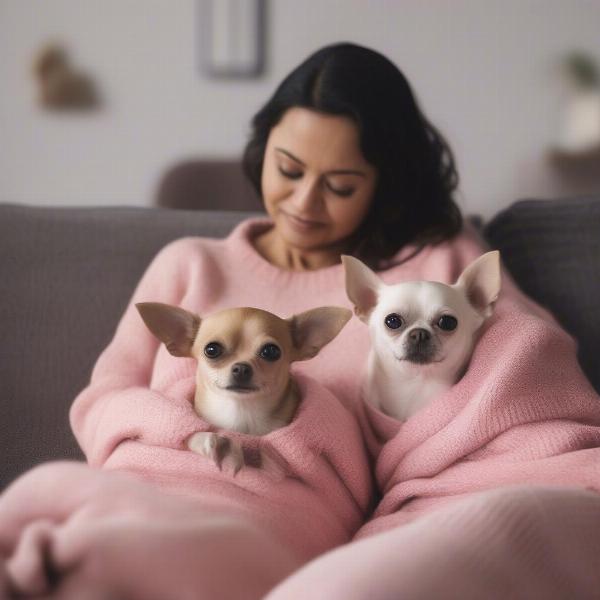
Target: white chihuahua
x: 422, y: 332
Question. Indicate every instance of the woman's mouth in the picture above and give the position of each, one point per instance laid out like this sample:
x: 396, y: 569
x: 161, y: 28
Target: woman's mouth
x: 301, y: 224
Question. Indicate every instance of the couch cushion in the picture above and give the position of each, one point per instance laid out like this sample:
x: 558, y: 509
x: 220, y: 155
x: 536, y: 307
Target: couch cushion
x: 207, y: 185
x: 552, y: 248
x: 66, y: 275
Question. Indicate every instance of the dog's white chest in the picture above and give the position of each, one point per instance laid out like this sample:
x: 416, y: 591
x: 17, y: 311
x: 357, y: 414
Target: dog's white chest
x: 412, y: 396
x: 227, y: 413
x: 400, y: 396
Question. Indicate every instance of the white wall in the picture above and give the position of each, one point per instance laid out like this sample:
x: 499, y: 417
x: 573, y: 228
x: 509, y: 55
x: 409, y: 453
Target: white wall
x: 484, y: 70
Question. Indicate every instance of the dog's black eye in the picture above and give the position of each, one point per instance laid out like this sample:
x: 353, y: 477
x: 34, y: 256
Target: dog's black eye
x: 393, y: 321
x: 270, y: 352
x: 213, y: 350
x: 447, y: 323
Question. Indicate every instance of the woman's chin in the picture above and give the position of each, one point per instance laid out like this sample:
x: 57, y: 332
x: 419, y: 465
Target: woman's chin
x: 306, y: 238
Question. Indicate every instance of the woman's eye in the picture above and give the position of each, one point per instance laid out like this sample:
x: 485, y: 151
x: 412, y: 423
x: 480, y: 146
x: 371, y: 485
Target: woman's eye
x: 344, y: 192
x: 270, y: 352
x: 290, y: 174
x: 213, y: 350
x: 447, y: 323
x: 393, y: 321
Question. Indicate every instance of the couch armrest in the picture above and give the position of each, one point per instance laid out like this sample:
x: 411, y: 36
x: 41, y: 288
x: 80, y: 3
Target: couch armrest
x: 552, y: 249
x: 66, y: 275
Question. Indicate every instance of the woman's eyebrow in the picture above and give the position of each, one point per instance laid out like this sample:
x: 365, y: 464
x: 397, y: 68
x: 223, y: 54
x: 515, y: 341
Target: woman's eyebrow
x: 290, y: 155
x: 346, y: 172
x: 334, y: 172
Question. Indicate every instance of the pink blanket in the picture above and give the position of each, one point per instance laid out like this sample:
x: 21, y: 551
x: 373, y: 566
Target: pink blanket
x: 313, y: 496
x: 523, y: 413
x: 529, y: 542
x: 489, y: 492
x: 69, y: 532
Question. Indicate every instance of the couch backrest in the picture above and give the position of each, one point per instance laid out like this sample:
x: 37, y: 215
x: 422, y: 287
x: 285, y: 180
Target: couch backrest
x: 66, y: 276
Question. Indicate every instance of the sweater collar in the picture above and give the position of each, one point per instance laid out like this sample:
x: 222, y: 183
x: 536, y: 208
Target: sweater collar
x: 240, y: 240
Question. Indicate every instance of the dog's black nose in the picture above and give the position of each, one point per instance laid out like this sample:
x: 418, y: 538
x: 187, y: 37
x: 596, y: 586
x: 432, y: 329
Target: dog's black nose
x: 241, y: 372
x: 419, y: 336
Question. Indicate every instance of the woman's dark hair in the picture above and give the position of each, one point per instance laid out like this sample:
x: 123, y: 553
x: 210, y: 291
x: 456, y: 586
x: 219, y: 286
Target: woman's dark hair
x: 416, y: 172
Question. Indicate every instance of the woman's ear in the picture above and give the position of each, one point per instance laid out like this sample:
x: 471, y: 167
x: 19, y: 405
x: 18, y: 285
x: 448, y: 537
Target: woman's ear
x: 313, y: 329
x: 362, y: 286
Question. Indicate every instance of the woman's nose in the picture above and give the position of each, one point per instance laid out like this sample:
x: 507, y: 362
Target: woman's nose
x: 307, y: 196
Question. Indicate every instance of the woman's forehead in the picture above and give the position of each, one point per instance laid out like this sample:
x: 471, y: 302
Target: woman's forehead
x: 332, y: 141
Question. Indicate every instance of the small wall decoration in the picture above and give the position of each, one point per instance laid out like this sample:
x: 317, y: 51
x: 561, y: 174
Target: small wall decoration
x: 59, y: 85
x: 575, y: 156
x: 580, y: 132
x: 232, y: 37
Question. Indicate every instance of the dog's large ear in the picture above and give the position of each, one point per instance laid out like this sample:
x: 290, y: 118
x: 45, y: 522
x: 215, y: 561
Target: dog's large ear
x: 481, y: 282
x: 175, y: 327
x: 362, y: 286
x: 313, y: 329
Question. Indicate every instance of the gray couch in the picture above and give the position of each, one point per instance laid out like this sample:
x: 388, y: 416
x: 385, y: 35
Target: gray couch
x: 67, y: 274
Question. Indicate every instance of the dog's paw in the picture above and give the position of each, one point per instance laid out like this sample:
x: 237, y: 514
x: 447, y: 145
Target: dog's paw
x: 266, y: 459
x: 222, y: 450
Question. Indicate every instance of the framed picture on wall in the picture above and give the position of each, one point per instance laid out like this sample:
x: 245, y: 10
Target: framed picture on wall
x: 232, y: 37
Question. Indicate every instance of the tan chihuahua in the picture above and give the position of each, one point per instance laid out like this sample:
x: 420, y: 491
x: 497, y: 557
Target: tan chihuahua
x: 243, y: 380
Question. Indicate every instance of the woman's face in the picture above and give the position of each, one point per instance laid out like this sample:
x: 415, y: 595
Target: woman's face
x: 316, y: 184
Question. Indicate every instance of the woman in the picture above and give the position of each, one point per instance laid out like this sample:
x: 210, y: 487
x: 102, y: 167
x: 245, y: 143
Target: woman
x: 346, y: 163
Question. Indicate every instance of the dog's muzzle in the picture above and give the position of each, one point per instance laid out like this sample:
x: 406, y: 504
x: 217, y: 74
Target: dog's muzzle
x: 419, y: 346
x: 241, y: 378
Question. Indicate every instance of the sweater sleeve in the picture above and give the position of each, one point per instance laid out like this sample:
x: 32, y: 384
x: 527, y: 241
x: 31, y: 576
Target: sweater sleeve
x: 118, y: 403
